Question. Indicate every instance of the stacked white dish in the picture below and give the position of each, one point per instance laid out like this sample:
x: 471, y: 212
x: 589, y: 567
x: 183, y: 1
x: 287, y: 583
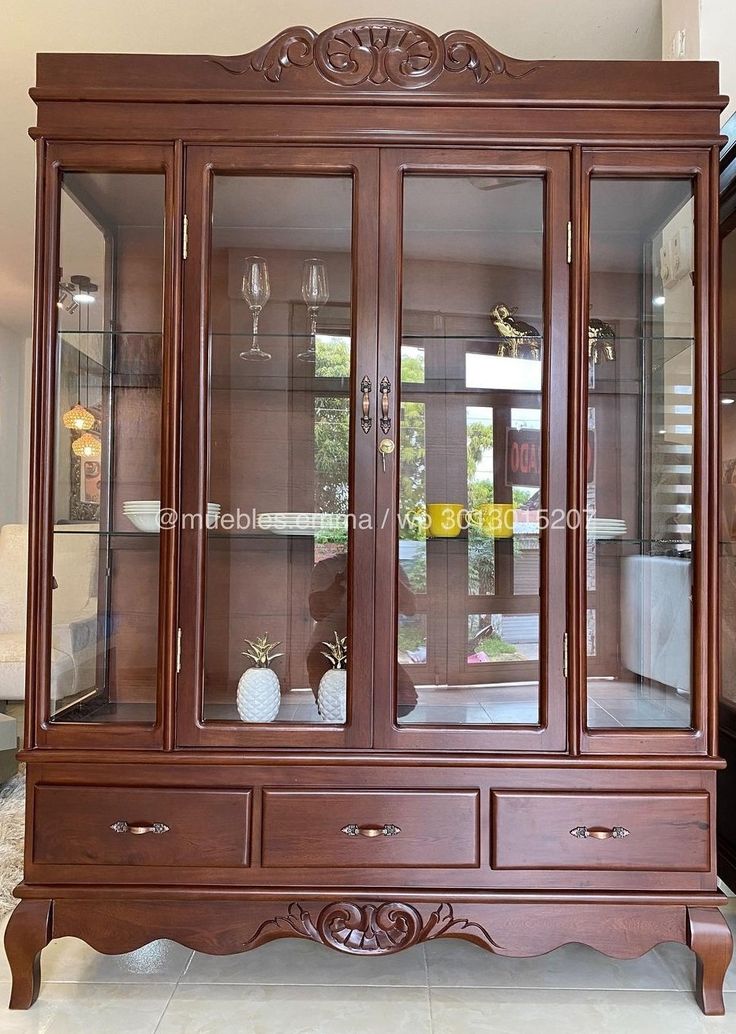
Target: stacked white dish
x: 606, y: 528
x: 146, y: 515
x: 301, y: 523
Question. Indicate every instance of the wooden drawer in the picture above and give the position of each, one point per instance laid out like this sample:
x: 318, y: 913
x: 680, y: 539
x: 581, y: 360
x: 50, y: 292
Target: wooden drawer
x: 664, y: 831
x: 437, y: 828
x: 73, y: 825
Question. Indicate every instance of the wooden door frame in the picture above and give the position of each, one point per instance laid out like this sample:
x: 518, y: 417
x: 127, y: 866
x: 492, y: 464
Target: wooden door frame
x: 693, y: 164
x: 55, y: 159
x: 202, y: 163
x: 554, y: 167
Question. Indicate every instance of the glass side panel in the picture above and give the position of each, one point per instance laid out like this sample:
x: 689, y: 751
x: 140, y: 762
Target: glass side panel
x: 470, y: 450
x: 727, y: 534
x: 278, y: 555
x: 108, y: 448
x: 640, y: 453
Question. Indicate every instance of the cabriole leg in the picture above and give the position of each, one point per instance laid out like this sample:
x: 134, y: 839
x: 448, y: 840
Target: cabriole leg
x: 27, y: 932
x: 709, y: 936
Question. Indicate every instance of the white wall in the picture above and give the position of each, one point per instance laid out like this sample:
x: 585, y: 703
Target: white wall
x: 703, y: 30
x: 13, y: 425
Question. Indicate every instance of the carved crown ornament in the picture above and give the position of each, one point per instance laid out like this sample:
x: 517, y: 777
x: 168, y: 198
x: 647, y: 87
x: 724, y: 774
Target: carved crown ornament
x: 376, y: 53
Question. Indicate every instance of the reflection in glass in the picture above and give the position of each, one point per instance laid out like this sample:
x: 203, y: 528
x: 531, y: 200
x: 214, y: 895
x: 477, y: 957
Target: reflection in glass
x: 640, y: 454
x: 470, y: 406
x: 107, y: 465
x: 278, y: 561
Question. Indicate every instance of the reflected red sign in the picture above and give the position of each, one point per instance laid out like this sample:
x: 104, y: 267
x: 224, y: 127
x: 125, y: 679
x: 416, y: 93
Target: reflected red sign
x: 524, y: 457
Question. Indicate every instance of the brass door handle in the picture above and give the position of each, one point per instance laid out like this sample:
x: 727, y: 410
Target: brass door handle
x: 366, y: 421
x: 388, y: 829
x: 385, y: 389
x: 139, y: 828
x: 599, y: 833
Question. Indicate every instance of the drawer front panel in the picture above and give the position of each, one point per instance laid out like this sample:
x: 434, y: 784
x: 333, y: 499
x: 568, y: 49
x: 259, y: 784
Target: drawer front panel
x: 428, y: 829
x: 655, y: 831
x: 73, y: 825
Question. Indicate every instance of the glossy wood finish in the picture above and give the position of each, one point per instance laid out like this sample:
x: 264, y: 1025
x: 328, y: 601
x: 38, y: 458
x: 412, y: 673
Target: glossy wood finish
x: 275, y: 794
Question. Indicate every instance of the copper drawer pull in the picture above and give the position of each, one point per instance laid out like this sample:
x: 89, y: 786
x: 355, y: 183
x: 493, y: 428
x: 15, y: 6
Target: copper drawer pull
x: 139, y: 828
x: 387, y: 830
x: 599, y: 833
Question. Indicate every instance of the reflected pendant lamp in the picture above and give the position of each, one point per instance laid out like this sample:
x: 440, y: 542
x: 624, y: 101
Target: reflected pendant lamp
x: 87, y: 446
x: 79, y: 418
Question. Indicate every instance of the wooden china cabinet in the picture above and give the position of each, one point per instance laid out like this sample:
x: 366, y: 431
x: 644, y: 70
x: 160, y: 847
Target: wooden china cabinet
x: 383, y: 338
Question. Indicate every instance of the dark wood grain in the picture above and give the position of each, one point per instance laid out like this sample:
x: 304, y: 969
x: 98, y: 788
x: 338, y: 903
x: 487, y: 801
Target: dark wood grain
x: 74, y: 825
x: 27, y: 933
x: 437, y: 829
x: 664, y: 832
x: 709, y: 936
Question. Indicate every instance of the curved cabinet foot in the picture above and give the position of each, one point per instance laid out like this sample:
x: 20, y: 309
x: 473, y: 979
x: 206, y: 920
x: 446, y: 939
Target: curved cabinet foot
x: 709, y: 936
x: 27, y: 933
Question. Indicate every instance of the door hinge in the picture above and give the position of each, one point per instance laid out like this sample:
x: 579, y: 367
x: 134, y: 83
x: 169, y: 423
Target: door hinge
x: 185, y: 237
x: 569, y: 242
x: 178, y: 650
x: 565, y: 655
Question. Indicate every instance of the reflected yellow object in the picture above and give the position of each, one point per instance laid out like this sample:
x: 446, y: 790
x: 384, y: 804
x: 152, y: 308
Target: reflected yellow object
x: 494, y: 520
x: 445, y: 520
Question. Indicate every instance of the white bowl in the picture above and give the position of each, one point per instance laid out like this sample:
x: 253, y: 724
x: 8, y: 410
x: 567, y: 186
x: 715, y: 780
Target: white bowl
x: 149, y: 521
x: 145, y: 505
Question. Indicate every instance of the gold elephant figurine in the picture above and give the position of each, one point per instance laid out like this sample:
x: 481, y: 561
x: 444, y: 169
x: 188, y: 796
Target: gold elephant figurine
x: 520, y: 340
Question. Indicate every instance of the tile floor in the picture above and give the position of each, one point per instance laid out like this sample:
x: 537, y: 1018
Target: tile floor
x: 445, y: 987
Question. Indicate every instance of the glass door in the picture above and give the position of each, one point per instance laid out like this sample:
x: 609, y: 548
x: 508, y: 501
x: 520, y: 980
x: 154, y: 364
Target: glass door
x: 470, y: 607
x: 106, y: 597
x: 647, y: 541
x: 278, y: 490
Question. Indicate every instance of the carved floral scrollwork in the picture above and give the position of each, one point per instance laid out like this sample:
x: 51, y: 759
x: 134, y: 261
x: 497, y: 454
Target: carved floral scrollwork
x: 378, y: 52
x: 396, y: 52
x: 291, y: 47
x: 369, y: 929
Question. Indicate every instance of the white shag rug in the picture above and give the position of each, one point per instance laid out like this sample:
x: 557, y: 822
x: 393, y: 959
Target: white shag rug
x: 12, y: 823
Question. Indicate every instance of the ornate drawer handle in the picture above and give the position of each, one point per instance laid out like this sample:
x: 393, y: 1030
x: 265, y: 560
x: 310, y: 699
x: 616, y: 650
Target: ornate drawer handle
x: 385, y: 421
x: 139, y: 828
x: 387, y: 830
x: 366, y: 420
x: 599, y: 833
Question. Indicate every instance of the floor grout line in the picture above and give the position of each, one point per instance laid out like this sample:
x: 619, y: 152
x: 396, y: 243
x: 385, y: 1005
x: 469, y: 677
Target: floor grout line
x: 163, y: 1011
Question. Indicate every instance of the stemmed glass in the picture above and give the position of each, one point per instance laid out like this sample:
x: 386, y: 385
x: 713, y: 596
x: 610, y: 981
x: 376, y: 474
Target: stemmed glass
x: 315, y: 292
x: 256, y: 290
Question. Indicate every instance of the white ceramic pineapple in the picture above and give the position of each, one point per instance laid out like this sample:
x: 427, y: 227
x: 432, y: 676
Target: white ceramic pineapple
x: 332, y: 693
x: 259, y: 691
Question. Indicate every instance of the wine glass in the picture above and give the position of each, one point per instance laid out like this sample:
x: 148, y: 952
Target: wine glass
x: 315, y: 292
x: 256, y: 290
